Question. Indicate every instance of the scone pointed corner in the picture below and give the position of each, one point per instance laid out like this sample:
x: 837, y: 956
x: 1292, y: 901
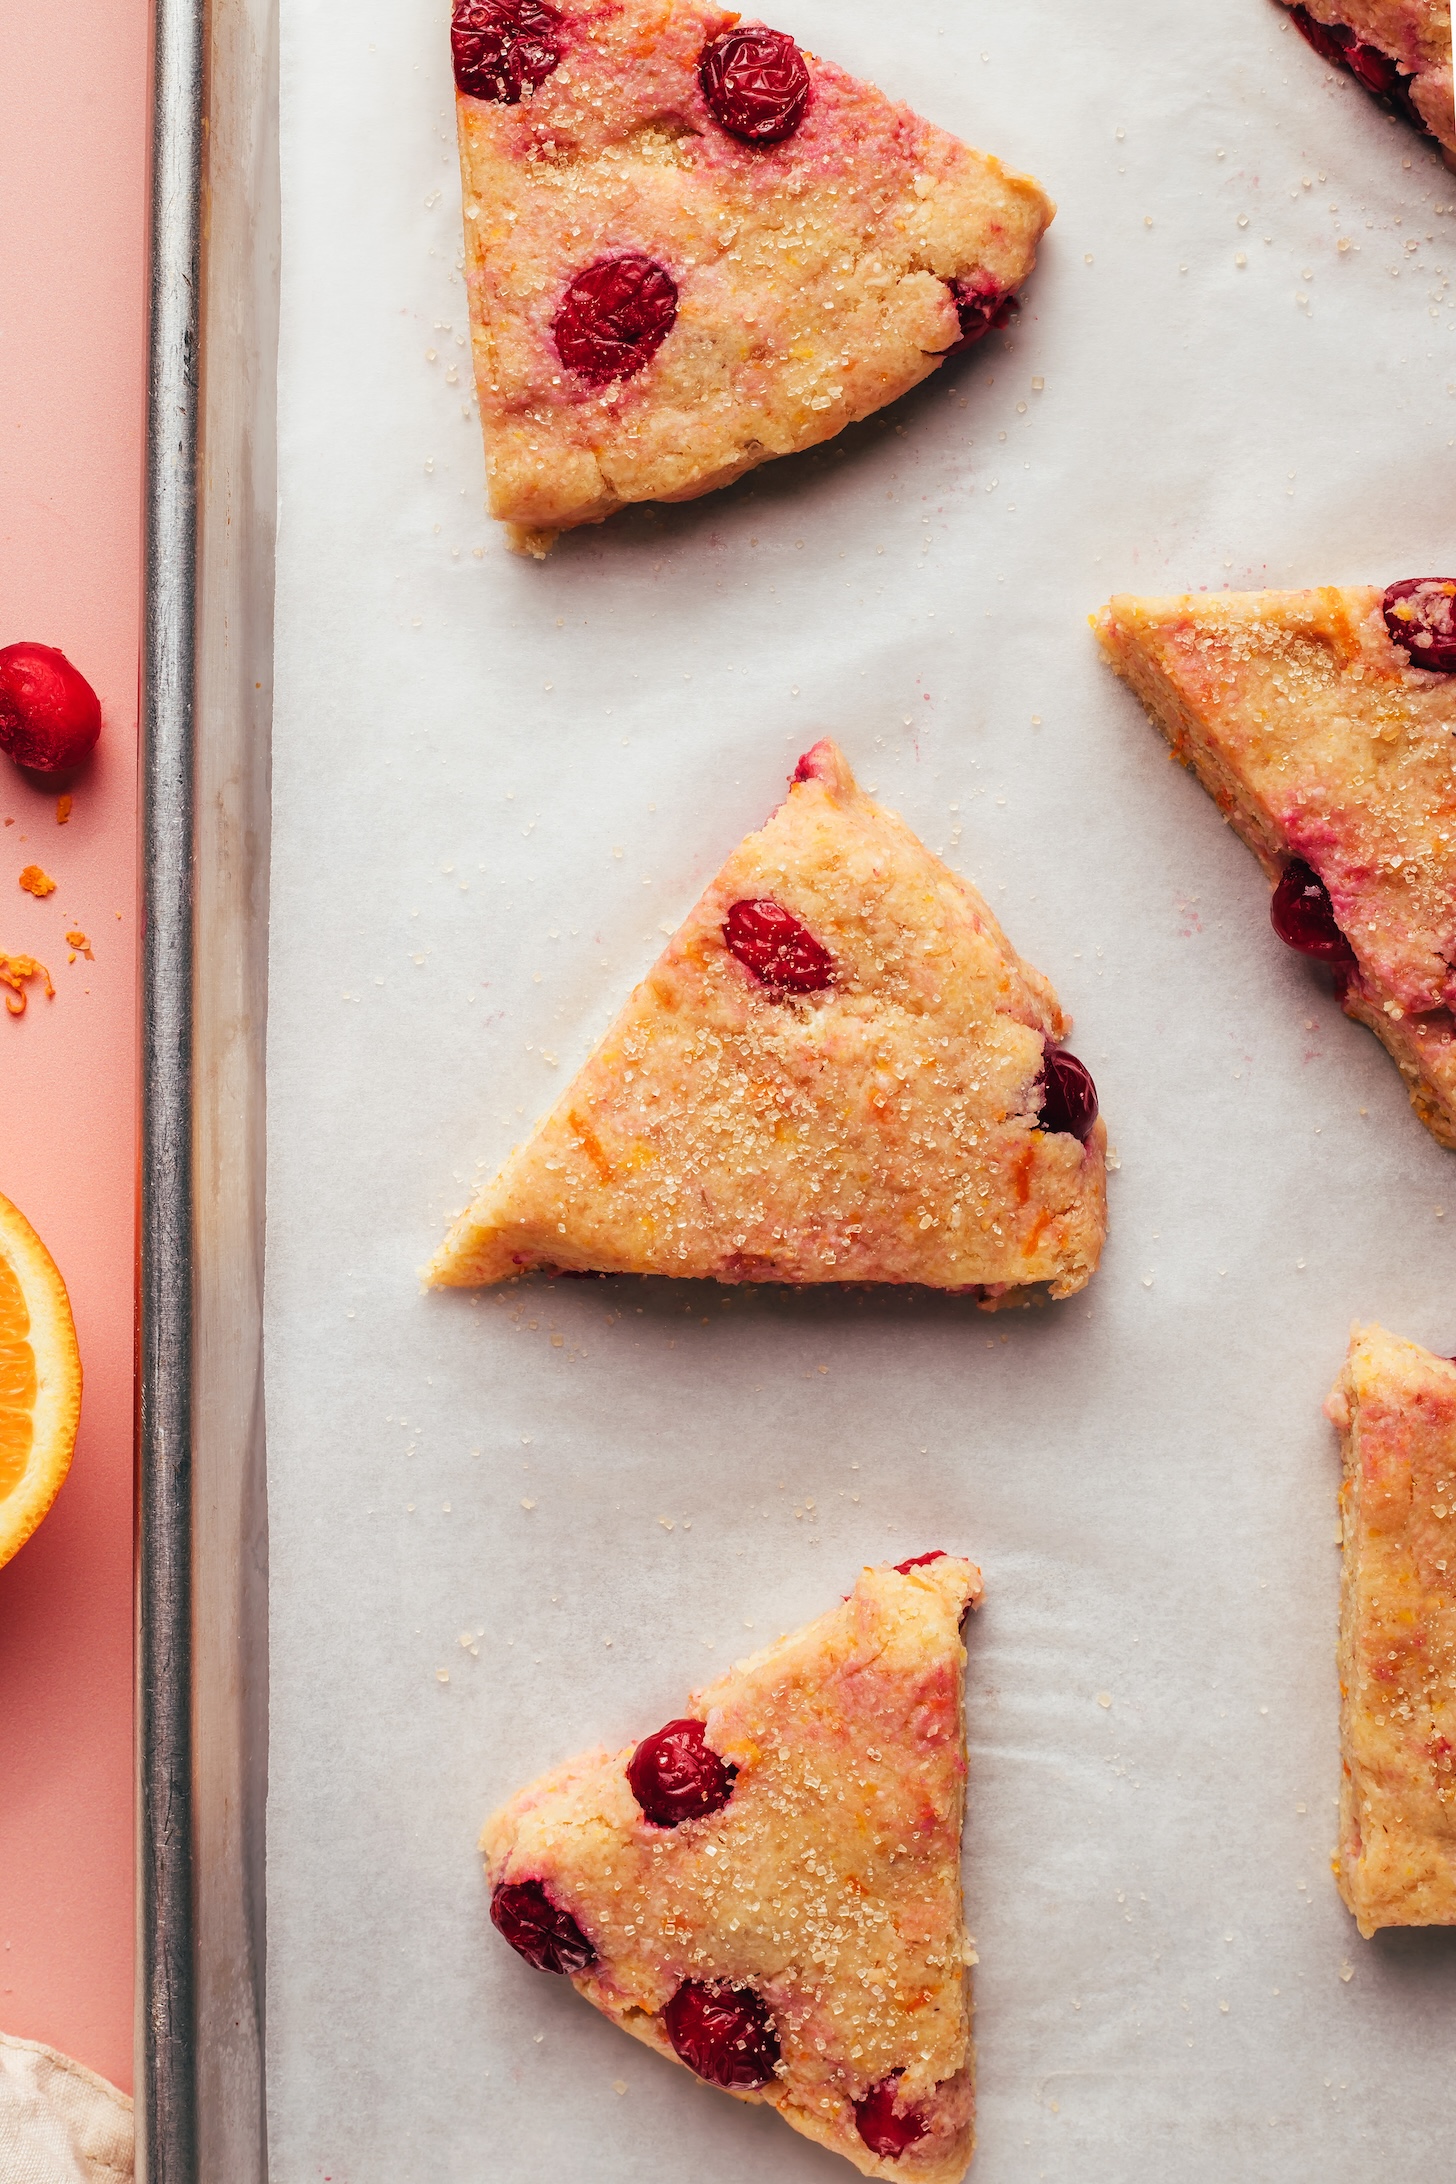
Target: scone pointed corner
x: 635, y: 174
x: 1323, y: 724
x: 767, y: 1888
x: 1395, y: 1407
x: 838, y: 1070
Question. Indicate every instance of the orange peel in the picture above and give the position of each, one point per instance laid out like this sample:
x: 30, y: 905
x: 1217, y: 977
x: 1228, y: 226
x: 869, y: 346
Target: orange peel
x: 40, y: 1380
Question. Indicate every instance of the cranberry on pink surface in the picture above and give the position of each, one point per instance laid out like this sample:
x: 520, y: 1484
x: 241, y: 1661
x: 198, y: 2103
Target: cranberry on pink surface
x: 50, y: 716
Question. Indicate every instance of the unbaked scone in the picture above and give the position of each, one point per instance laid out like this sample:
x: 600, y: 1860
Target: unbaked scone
x: 838, y: 1070
x: 768, y: 1889
x: 1395, y: 1406
x: 1329, y: 746
x: 691, y: 246
x: 1400, y: 50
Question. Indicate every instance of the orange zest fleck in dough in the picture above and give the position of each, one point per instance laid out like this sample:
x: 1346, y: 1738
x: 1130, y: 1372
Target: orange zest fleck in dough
x: 592, y: 1145
x: 37, y: 883
x: 15, y: 970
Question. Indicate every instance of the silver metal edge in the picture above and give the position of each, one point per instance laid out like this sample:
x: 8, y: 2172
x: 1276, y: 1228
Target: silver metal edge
x: 166, y: 2102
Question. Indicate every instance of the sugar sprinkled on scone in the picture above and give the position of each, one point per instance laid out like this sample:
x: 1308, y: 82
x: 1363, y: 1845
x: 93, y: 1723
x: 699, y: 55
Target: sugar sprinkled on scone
x: 768, y: 1889
x: 839, y: 1070
x: 1395, y: 1406
x: 1323, y: 723
x: 691, y: 246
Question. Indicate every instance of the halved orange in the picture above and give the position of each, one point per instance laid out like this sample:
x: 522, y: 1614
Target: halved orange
x: 40, y: 1380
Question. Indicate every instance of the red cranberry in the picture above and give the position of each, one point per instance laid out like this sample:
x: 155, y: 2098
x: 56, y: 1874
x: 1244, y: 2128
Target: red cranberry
x: 1420, y: 613
x: 755, y: 83
x: 936, y: 1554
x: 503, y: 48
x: 980, y: 306
x: 615, y: 317
x: 538, y: 1929
x: 883, y: 2131
x: 723, y: 2033
x: 1321, y: 36
x: 1304, y: 917
x: 675, y: 1776
x: 1069, y: 1097
x: 781, y: 953
x: 50, y: 716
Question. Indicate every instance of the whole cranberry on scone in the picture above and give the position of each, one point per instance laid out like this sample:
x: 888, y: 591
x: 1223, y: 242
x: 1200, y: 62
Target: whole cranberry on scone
x: 50, y: 717
x: 782, y: 953
x: 503, y: 49
x: 1069, y: 1097
x: 981, y: 307
x: 1303, y: 916
x: 615, y: 317
x: 755, y: 84
x: 676, y: 1775
x: 725, y: 2034
x: 1420, y: 614
x: 885, y: 2130
x: 541, y: 1931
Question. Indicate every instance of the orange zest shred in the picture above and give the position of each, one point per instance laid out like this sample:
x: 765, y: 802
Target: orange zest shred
x: 77, y: 942
x: 15, y: 970
x: 63, y: 810
x: 37, y: 883
x: 591, y: 1145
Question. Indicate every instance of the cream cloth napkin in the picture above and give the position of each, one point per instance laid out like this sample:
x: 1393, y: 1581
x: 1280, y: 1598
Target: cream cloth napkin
x: 59, y: 2122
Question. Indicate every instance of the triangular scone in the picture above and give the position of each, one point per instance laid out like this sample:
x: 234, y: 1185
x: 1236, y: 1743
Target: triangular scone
x: 1323, y: 744
x: 1400, y: 50
x: 658, y: 303
x: 797, y: 1937
x: 1395, y: 1406
x: 833, y: 1073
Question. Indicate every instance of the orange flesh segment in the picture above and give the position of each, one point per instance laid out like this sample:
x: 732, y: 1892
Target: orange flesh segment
x: 17, y: 1382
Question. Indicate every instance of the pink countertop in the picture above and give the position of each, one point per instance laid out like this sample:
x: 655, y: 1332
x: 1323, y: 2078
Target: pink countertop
x: 72, y: 331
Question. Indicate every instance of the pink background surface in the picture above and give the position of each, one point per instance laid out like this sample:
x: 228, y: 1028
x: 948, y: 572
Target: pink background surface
x: 72, y: 330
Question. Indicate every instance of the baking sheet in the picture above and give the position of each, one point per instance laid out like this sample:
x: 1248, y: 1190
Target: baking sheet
x: 506, y: 1526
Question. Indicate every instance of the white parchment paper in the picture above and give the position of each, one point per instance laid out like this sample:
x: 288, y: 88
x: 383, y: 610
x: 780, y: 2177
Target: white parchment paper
x: 508, y: 1526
